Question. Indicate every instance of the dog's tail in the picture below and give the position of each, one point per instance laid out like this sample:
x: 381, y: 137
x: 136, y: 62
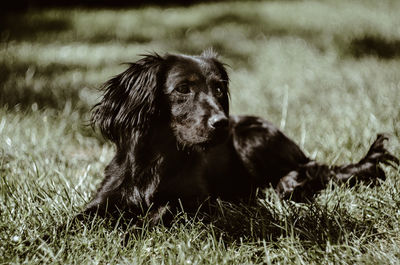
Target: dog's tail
x: 310, y: 178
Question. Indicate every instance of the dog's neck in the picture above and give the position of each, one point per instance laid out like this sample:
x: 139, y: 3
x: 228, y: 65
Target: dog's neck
x: 149, y: 155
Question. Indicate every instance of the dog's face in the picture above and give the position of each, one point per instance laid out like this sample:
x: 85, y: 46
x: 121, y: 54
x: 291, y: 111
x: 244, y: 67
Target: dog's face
x: 197, y: 95
x: 185, y: 94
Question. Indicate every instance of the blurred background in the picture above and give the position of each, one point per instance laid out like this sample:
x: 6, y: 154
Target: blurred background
x: 326, y: 72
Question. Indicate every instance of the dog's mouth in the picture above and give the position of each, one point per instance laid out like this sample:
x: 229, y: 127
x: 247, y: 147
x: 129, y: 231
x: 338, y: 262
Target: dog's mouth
x: 212, y: 138
x: 219, y: 136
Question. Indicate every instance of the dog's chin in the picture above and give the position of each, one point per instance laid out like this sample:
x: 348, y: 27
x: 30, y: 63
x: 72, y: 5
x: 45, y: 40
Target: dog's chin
x: 202, y: 143
x: 217, y: 138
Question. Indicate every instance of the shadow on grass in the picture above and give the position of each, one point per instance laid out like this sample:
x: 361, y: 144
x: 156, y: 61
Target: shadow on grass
x: 29, y: 25
x: 24, y: 26
x: 375, y: 46
x: 312, y: 223
x: 256, y: 24
x: 116, y: 4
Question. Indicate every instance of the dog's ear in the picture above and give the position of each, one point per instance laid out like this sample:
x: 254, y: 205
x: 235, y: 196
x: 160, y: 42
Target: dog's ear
x: 129, y: 100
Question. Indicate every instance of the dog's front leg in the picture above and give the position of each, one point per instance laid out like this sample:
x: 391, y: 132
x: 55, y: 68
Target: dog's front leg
x: 159, y: 214
x: 304, y: 182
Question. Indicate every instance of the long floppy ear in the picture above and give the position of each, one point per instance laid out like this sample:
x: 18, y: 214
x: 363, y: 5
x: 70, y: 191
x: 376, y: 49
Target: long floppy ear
x: 129, y: 100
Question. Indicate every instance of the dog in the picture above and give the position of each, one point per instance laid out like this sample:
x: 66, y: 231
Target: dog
x: 177, y: 146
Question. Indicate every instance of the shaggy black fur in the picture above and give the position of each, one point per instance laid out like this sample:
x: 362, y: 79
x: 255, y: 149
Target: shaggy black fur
x: 176, y: 144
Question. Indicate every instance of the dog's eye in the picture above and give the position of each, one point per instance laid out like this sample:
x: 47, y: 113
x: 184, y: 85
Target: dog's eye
x: 183, y: 89
x: 219, y: 92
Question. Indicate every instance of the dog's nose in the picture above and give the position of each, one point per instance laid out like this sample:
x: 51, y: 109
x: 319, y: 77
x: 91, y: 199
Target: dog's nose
x: 218, y: 122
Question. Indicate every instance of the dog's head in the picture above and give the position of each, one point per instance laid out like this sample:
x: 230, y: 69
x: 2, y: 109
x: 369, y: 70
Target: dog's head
x: 186, y: 94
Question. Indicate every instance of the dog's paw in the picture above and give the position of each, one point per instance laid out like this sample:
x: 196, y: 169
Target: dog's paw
x: 378, y: 153
x: 369, y: 168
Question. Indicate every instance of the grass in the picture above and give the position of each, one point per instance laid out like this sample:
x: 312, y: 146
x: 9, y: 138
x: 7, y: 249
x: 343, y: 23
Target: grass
x: 326, y: 72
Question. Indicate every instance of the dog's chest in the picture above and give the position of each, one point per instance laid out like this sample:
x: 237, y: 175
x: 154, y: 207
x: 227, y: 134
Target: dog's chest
x: 184, y: 182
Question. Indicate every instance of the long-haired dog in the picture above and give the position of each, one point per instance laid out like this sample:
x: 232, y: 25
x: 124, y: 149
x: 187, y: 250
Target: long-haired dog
x: 177, y: 145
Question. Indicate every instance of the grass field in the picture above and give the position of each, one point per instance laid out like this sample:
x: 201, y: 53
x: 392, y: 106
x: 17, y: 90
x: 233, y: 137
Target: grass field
x: 326, y: 72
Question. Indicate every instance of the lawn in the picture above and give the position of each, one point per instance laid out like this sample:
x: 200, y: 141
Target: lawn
x: 325, y: 72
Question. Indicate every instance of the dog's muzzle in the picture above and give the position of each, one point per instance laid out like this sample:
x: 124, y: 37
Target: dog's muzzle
x: 219, y: 127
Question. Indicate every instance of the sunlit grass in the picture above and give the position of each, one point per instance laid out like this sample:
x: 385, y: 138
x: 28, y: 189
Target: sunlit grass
x: 325, y: 72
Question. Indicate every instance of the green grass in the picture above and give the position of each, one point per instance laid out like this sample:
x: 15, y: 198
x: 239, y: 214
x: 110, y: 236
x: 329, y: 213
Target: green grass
x: 325, y: 72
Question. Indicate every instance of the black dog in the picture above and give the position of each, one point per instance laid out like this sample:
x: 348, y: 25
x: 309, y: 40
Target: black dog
x: 177, y: 145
